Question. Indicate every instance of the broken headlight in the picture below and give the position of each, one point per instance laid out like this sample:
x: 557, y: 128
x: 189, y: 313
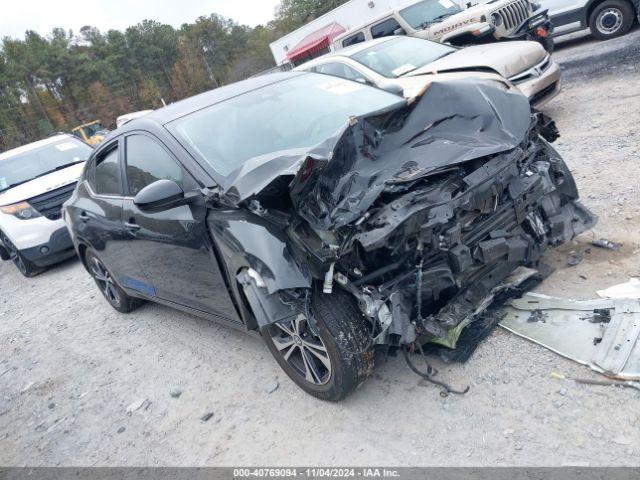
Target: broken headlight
x: 22, y: 210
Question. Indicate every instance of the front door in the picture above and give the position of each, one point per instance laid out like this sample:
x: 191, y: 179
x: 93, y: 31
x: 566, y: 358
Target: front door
x: 172, y: 246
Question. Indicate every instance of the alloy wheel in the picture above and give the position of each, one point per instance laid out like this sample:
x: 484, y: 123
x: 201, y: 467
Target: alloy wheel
x: 609, y: 21
x: 105, y: 281
x: 302, y: 349
x: 15, y: 257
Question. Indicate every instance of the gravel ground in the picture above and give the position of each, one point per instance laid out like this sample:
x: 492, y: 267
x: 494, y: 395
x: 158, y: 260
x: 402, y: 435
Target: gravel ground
x: 83, y: 385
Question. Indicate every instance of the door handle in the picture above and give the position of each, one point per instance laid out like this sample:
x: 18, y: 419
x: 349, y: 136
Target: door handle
x: 134, y: 227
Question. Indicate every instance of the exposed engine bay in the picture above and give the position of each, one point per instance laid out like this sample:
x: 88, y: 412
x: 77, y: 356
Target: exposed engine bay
x: 424, y: 213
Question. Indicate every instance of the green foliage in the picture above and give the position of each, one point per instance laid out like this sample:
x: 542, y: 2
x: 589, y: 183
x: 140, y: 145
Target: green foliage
x: 55, y: 82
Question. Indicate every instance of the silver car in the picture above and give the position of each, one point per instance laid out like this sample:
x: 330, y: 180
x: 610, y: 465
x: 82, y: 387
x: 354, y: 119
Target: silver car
x: 404, y: 64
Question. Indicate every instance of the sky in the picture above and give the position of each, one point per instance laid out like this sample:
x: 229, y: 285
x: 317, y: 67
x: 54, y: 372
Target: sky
x: 17, y: 16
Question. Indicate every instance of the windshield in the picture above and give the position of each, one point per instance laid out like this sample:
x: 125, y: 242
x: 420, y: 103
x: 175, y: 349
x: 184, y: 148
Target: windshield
x: 292, y: 114
x: 22, y: 167
x: 423, y: 13
x: 401, y: 55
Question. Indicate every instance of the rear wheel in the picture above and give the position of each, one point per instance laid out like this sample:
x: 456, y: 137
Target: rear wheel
x: 611, y: 19
x: 334, y: 360
x: 110, y: 290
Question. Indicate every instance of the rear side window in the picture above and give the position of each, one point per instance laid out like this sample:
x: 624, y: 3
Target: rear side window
x: 105, y: 177
x: 148, y: 162
x: 385, y: 28
x: 353, y: 39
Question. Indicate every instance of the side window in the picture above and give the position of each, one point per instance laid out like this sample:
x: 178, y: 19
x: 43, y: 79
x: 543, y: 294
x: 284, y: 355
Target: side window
x: 148, y: 162
x: 385, y: 28
x: 341, y: 70
x: 353, y: 39
x: 105, y: 177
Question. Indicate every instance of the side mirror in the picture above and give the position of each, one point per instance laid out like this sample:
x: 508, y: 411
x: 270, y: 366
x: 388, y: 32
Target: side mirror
x: 161, y: 195
x: 400, y: 31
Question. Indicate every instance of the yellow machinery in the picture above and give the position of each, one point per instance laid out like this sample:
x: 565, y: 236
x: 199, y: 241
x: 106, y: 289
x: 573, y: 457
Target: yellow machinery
x: 91, y: 132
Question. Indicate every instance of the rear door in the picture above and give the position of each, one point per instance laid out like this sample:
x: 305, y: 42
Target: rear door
x: 172, y: 246
x: 99, y: 214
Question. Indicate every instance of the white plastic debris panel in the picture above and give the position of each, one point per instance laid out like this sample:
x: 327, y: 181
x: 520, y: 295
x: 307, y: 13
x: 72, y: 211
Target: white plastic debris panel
x: 601, y: 333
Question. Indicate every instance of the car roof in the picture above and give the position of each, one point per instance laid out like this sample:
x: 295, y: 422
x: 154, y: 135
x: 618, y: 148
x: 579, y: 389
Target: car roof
x: 32, y: 146
x: 358, y: 47
x: 189, y: 105
x: 347, y: 52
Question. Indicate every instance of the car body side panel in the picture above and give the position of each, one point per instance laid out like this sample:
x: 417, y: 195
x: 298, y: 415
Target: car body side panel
x: 245, y: 240
x: 96, y: 222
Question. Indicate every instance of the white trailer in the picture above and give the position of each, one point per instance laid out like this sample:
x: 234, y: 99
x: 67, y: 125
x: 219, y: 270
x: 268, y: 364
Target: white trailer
x: 320, y: 32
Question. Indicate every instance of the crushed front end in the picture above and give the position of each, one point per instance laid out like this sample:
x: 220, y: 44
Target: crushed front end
x: 427, y: 213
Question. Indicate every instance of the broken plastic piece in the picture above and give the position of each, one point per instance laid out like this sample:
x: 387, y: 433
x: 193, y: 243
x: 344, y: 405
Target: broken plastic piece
x: 630, y: 289
x: 581, y: 330
x: 608, y: 244
x: 328, y: 279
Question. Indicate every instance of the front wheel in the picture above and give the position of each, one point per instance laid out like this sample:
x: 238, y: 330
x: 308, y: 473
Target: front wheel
x: 331, y: 362
x: 610, y: 19
x: 24, y: 266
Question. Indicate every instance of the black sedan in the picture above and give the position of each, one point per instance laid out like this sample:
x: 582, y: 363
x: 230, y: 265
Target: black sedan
x: 330, y: 216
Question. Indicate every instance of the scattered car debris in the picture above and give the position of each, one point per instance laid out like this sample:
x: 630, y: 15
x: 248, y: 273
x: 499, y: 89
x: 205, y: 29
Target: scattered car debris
x: 272, y: 387
x: 121, y: 429
x: 574, y: 258
x: 607, y: 341
x: 630, y: 289
x: 595, y: 381
x: 607, y: 244
x: 537, y: 315
x: 137, y: 405
x: 207, y: 416
x: 175, y: 393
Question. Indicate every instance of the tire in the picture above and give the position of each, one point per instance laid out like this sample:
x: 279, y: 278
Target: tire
x: 4, y: 255
x: 116, y: 296
x: 610, y: 19
x: 343, y: 337
x: 24, y: 266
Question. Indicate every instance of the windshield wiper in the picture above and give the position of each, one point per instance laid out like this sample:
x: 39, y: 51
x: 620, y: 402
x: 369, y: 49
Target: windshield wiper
x: 59, y: 167
x: 435, y: 20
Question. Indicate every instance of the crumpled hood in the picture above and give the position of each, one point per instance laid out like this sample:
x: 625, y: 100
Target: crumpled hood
x: 506, y: 58
x: 451, y: 123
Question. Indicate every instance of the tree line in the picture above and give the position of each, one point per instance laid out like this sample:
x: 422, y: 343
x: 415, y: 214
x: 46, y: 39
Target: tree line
x: 57, y: 81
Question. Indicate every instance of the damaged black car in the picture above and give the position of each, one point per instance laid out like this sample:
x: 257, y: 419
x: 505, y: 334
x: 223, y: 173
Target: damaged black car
x: 333, y: 218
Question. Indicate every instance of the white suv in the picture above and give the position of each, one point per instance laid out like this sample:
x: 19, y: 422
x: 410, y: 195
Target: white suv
x: 35, y: 180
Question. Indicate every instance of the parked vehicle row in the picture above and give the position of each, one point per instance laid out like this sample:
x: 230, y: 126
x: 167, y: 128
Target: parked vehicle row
x: 448, y: 22
x: 406, y: 65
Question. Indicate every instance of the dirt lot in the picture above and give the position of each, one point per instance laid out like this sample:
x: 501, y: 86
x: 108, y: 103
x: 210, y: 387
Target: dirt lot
x: 71, y: 367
